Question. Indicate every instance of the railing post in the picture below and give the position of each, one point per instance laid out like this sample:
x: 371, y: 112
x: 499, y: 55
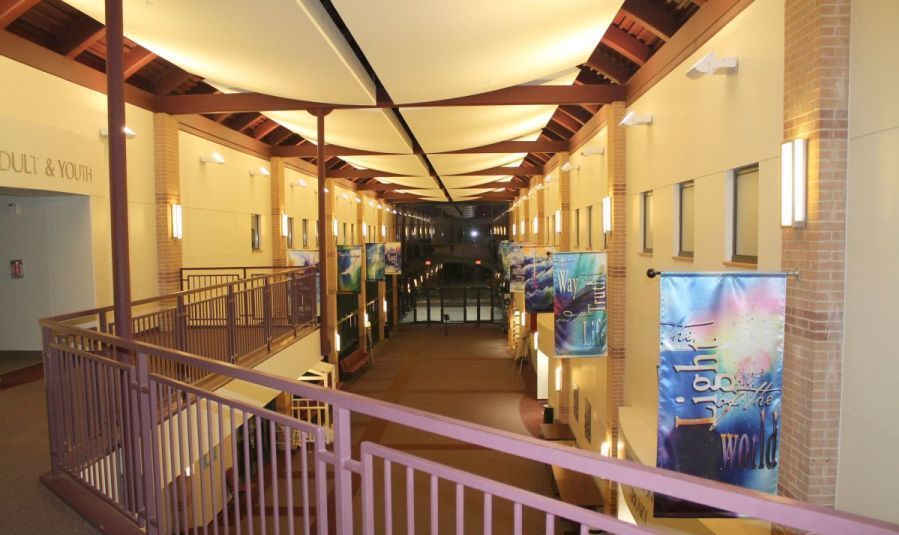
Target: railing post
x: 343, y: 480
x: 478, y: 305
x: 53, y: 407
x: 145, y: 426
x: 267, y: 312
x: 464, y: 304
x: 230, y: 325
x: 180, y: 324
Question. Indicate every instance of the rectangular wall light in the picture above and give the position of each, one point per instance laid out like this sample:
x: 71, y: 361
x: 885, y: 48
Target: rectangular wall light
x: 558, y: 218
x: 177, y: 228
x: 536, y: 225
x: 335, y: 226
x: 607, y: 214
x: 793, y: 179
x: 285, y: 225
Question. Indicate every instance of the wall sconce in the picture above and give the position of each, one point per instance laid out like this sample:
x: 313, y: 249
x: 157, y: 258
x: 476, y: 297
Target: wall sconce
x: 385, y: 305
x: 521, y: 228
x: 215, y: 158
x: 605, y: 449
x: 607, y: 214
x: 548, y: 178
x: 358, y: 200
x: 364, y: 230
x: 337, y: 339
x: 793, y: 178
x: 709, y: 64
x: 129, y: 133
x: 523, y: 318
x: 558, y: 221
x: 285, y: 225
x: 301, y: 183
x: 513, y: 229
x: 536, y: 339
x: 262, y: 171
x: 383, y: 231
x: 568, y: 167
x: 334, y: 226
x: 536, y: 225
x: 559, y: 377
x: 593, y: 151
x: 177, y: 227
x: 632, y: 119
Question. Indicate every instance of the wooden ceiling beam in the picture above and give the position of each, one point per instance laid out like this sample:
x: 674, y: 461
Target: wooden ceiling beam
x: 652, y: 16
x: 514, y: 96
x: 10, y: 10
x: 280, y: 136
x: 246, y: 122
x: 566, y: 120
x: 627, y: 45
x: 81, y: 37
x: 608, y: 67
x: 171, y: 80
x: 267, y: 127
x: 136, y: 59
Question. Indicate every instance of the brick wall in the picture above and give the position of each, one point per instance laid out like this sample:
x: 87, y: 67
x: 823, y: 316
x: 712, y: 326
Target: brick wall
x: 279, y: 242
x: 168, y: 191
x: 816, y: 88
x: 565, y: 203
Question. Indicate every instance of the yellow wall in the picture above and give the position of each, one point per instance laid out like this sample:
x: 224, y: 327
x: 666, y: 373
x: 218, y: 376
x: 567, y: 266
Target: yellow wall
x: 301, y: 202
x: 589, y: 184
x: 867, y: 480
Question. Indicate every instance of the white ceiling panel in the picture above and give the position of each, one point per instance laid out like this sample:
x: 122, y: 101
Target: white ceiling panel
x: 460, y: 164
x: 431, y: 50
x: 286, y: 48
x: 411, y: 165
x: 452, y: 182
x: 370, y: 129
x: 423, y: 182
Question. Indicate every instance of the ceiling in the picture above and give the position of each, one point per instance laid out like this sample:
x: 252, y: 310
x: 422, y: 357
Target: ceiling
x: 350, y: 52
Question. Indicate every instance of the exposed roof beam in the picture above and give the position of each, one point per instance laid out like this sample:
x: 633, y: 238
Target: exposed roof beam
x: 10, y: 10
x: 566, y: 120
x: 242, y: 124
x: 281, y: 136
x: 608, y: 67
x: 171, y: 80
x: 653, y: 17
x: 514, y: 96
x: 136, y: 59
x: 267, y: 127
x: 627, y: 45
x: 83, y: 36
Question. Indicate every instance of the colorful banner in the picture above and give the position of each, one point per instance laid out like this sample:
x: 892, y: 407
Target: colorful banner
x: 349, y: 268
x: 374, y: 261
x: 720, y: 381
x: 515, y: 256
x: 538, y: 279
x: 579, y: 297
x: 393, y: 258
x: 302, y: 257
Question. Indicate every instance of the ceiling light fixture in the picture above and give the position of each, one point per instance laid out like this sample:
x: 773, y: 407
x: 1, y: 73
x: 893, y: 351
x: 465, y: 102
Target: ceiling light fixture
x: 129, y: 133
x: 215, y: 158
x: 632, y: 119
x: 262, y: 171
x: 593, y: 150
x: 710, y: 64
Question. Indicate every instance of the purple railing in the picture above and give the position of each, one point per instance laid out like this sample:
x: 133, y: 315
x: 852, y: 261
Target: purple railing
x: 174, y: 457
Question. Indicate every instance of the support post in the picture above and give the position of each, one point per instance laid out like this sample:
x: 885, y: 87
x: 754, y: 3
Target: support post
x: 323, y: 236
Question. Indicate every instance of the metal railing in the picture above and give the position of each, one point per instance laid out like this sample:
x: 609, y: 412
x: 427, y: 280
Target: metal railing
x: 200, y: 277
x: 477, y: 304
x: 172, y: 457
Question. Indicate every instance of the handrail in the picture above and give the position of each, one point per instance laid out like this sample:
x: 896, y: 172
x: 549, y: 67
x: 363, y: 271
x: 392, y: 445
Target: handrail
x: 776, y: 509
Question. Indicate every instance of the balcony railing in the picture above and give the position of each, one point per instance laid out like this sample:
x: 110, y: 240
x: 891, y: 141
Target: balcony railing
x: 166, y: 456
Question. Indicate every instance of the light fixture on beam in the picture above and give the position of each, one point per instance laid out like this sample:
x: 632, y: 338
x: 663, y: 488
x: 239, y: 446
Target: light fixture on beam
x: 215, y: 158
x: 177, y: 222
x: 793, y: 179
x: 593, y: 151
x: 129, y: 133
x: 710, y: 64
x: 607, y: 214
x: 262, y: 171
x: 631, y: 118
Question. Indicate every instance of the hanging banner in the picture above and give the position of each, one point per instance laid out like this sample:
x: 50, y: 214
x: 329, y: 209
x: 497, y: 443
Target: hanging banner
x: 374, y: 261
x: 393, y: 258
x: 720, y: 381
x: 302, y: 257
x: 349, y: 268
x: 515, y: 258
x: 538, y: 279
x: 579, y: 297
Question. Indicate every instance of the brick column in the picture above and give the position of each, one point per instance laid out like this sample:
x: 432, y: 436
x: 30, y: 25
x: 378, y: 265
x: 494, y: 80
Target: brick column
x: 616, y: 171
x: 524, y: 235
x: 539, y: 211
x: 168, y: 191
x: 360, y: 218
x: 329, y: 257
x: 565, y: 203
x: 279, y: 242
x: 816, y: 89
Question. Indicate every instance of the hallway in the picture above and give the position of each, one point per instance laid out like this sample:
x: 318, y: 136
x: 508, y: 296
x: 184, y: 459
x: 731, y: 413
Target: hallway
x: 467, y: 375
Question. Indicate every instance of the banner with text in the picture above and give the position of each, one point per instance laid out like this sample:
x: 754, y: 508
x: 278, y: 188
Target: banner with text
x: 349, y: 268
x: 538, y: 279
x: 393, y: 258
x: 513, y: 262
x: 302, y: 257
x: 374, y: 261
x: 579, y: 297
x: 720, y: 381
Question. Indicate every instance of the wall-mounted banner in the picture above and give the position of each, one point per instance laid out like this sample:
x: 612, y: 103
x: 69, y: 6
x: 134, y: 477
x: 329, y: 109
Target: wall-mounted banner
x: 394, y: 258
x: 538, y: 279
x: 515, y: 256
x: 349, y: 268
x: 374, y: 261
x: 579, y: 296
x: 302, y: 257
x: 720, y: 380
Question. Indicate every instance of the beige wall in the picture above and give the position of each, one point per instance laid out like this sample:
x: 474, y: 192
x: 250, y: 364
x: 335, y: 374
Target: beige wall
x: 589, y: 184
x: 868, y: 475
x: 301, y: 202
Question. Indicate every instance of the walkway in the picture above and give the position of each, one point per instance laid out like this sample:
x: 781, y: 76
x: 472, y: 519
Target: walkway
x: 467, y: 375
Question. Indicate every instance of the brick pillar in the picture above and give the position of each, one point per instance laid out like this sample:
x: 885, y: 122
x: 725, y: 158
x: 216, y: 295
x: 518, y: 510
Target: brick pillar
x: 279, y: 242
x: 565, y: 203
x: 360, y: 218
x: 539, y: 212
x: 329, y: 257
x: 168, y: 191
x: 816, y: 89
x: 616, y: 171
x: 524, y: 235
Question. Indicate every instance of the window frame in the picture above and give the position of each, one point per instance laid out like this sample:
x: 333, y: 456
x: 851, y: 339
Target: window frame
x: 255, y: 232
x: 648, y: 194
x: 735, y: 215
x: 689, y: 184
x: 289, y: 232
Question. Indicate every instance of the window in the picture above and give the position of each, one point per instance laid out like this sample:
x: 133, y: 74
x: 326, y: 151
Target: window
x: 685, y: 225
x: 290, y: 233
x: 344, y: 234
x: 352, y: 233
x: 590, y: 228
x: 647, y: 221
x: 305, y: 233
x: 255, y: 225
x: 746, y: 215
x: 577, y: 228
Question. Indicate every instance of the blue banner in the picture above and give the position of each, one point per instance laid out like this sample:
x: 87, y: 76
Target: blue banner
x: 538, y: 279
x: 393, y: 254
x: 720, y: 381
x: 374, y: 261
x: 349, y: 268
x: 579, y: 296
